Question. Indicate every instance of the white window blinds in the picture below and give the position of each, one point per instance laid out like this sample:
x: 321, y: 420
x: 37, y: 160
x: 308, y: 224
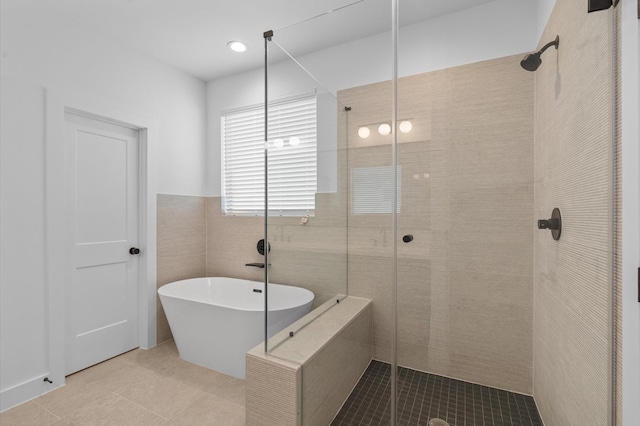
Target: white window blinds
x: 292, y: 150
x: 372, y: 189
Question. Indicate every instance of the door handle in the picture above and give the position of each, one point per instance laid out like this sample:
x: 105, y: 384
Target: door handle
x: 134, y: 250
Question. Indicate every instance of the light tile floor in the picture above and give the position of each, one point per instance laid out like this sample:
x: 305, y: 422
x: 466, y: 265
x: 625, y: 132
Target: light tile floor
x: 141, y: 387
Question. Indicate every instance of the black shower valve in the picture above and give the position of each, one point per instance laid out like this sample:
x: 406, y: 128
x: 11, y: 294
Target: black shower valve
x: 260, y: 247
x: 554, y: 224
x: 548, y: 224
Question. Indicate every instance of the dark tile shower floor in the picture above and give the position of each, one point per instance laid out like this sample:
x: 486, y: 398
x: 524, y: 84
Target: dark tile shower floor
x: 424, y: 396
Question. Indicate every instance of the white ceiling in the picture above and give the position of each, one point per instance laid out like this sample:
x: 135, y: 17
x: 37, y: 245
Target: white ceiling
x: 191, y: 35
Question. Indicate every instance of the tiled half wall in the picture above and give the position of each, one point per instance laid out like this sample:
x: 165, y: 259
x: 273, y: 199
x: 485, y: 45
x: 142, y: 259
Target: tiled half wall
x: 323, y: 364
x: 181, y: 245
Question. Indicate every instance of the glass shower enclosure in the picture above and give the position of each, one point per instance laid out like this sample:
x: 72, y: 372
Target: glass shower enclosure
x: 436, y: 154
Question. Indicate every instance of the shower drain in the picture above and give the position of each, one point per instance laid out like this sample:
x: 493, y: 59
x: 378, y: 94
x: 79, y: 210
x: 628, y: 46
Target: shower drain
x: 438, y: 422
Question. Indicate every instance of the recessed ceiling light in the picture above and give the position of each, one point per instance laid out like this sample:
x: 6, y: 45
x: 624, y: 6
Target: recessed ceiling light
x: 237, y: 46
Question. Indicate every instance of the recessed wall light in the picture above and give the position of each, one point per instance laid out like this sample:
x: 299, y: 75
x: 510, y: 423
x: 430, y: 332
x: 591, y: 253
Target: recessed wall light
x: 405, y: 126
x: 237, y: 46
x: 364, y: 132
x: 384, y: 129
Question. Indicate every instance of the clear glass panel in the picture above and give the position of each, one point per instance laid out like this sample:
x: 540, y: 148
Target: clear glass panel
x: 307, y: 221
x: 310, y: 244
x: 484, y: 296
x: 346, y: 245
x: 484, y: 150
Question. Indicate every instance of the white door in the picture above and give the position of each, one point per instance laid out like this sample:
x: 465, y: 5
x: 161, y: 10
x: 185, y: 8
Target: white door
x: 103, y: 278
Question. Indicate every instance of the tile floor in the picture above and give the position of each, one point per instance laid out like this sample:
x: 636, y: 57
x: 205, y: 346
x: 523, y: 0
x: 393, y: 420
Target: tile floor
x: 156, y: 387
x: 152, y: 387
x: 424, y: 396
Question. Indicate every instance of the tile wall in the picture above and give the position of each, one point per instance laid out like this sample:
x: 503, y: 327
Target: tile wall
x: 181, y: 245
x: 465, y: 282
x: 573, y: 172
x: 323, y: 363
x: 195, y: 240
x: 313, y: 255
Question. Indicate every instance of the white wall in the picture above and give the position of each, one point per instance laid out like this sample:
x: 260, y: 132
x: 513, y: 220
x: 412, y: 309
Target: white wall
x: 630, y: 212
x: 101, y: 72
x: 491, y: 30
x: 545, y: 7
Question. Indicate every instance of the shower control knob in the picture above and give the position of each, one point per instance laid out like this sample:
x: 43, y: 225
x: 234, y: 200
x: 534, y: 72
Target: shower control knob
x: 134, y: 250
x: 407, y: 238
x: 554, y: 224
x: 260, y: 247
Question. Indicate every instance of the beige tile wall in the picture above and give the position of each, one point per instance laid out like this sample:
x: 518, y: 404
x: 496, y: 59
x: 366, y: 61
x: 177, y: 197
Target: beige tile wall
x: 573, y: 172
x: 308, y: 378
x: 196, y: 240
x: 465, y: 283
x: 274, y: 395
x: 181, y: 228
x: 330, y: 375
x: 313, y: 256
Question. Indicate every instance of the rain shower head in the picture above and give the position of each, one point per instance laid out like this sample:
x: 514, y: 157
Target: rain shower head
x: 532, y: 61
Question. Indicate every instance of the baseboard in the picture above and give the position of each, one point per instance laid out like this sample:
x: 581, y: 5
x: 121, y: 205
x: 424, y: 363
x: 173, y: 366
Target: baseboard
x: 26, y: 391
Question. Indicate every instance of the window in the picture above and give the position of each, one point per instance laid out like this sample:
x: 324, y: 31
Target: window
x: 292, y: 151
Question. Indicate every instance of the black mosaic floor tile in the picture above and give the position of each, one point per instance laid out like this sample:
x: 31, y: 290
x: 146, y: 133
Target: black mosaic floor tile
x: 423, y: 396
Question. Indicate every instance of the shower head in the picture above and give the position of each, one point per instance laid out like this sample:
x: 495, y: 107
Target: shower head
x: 532, y: 61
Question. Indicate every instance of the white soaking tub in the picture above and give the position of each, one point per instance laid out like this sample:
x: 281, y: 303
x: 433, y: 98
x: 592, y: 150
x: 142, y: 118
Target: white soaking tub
x: 216, y: 320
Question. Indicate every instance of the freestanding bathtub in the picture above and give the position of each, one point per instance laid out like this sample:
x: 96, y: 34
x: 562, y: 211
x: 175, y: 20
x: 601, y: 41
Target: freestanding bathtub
x: 215, y: 321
